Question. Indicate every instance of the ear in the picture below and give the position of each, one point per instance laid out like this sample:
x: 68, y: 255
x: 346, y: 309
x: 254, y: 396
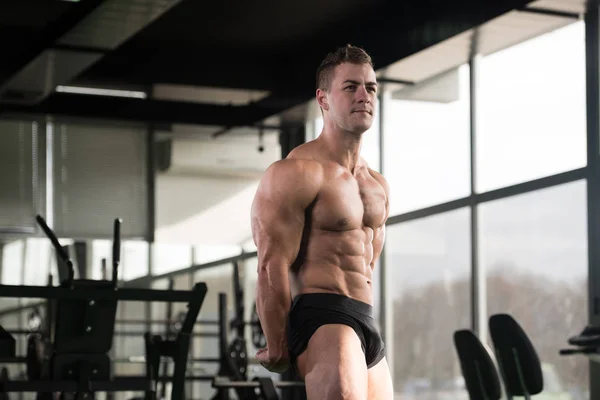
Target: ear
x: 322, y: 99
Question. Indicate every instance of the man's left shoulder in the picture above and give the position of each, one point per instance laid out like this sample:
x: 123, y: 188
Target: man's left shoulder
x: 379, y: 178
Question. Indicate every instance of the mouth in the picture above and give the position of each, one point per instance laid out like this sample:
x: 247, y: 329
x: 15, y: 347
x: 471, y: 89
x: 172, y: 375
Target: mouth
x: 362, y: 112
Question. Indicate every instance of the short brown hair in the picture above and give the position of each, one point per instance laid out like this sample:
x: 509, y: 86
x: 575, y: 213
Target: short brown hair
x: 346, y: 54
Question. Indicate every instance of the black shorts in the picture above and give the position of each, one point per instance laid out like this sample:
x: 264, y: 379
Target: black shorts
x: 311, y: 311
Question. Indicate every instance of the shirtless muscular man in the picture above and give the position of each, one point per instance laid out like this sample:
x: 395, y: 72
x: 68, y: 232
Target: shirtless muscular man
x: 318, y: 221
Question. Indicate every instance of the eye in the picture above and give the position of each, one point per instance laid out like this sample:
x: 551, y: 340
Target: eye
x: 351, y: 87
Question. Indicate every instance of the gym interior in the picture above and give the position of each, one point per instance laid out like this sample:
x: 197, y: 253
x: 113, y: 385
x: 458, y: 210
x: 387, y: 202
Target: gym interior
x: 133, y: 135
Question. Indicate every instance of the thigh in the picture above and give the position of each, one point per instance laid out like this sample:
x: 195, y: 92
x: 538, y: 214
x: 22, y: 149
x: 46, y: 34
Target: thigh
x: 380, y: 382
x: 333, y: 366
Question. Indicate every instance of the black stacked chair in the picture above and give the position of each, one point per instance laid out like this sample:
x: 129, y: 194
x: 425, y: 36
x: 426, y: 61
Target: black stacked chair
x: 518, y: 361
x: 478, y: 369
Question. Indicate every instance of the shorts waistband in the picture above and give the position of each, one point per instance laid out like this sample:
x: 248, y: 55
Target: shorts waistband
x: 324, y: 300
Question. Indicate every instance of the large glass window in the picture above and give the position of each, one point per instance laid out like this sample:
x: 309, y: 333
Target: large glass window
x: 532, y: 109
x: 428, y: 261
x: 427, y: 141
x: 534, y: 251
x: 371, y: 145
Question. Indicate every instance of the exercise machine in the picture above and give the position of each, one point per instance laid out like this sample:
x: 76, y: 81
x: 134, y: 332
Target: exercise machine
x: 82, y: 329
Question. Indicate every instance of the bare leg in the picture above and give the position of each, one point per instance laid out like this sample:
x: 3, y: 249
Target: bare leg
x: 333, y: 366
x: 380, y: 382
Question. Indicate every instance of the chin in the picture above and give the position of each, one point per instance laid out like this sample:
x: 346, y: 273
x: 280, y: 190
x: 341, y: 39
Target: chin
x: 363, y: 124
x: 360, y: 129
x: 356, y: 127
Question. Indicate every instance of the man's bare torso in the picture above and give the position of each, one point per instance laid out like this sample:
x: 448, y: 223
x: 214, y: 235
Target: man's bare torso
x: 344, y: 229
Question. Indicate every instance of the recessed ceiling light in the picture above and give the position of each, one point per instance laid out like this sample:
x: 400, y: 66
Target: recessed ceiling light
x: 101, y: 92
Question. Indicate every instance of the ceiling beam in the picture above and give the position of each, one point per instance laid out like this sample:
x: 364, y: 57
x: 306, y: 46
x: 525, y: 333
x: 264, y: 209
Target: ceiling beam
x: 48, y: 36
x: 551, y: 12
x: 144, y: 110
x: 180, y: 66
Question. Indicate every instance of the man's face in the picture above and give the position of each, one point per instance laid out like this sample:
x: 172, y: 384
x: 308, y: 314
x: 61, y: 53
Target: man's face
x: 352, y: 97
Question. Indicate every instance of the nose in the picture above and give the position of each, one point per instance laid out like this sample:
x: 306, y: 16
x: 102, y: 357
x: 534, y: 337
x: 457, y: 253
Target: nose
x: 362, y: 95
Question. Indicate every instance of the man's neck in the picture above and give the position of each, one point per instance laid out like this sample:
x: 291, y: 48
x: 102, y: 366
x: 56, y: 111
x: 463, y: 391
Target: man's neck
x: 343, y: 147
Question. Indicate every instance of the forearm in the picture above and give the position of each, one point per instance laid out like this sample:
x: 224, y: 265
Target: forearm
x: 273, y: 300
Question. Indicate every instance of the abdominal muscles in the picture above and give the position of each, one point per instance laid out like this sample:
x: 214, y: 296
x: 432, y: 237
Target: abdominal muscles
x: 335, y: 262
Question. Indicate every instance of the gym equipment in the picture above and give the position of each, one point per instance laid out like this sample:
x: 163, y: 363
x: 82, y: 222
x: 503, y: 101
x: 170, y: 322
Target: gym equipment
x: 258, y: 336
x: 232, y: 373
x: 82, y: 330
x: 238, y: 324
x: 38, y: 356
x: 586, y: 343
x: 135, y: 333
x: 162, y: 321
x: 237, y: 349
x: 4, y: 377
x: 234, y: 359
x: 518, y: 361
x: 265, y: 385
x: 39, y: 346
x: 169, y: 331
x: 477, y: 366
x: 7, y: 344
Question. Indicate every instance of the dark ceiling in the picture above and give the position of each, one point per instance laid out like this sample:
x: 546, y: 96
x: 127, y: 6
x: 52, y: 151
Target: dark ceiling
x: 270, y: 45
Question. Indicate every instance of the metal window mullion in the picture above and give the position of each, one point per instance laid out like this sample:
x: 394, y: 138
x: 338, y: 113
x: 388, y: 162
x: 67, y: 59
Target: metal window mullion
x: 496, y: 194
x: 592, y: 43
x: 478, y: 292
x: 385, y: 298
x: 151, y: 206
x: 593, y: 162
